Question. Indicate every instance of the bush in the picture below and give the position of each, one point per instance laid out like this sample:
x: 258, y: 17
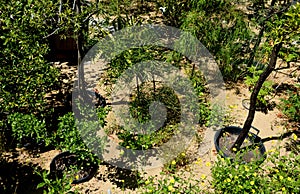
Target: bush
x: 224, y: 31
x: 278, y: 174
x: 291, y: 105
x: 53, y: 186
x: 26, y: 128
x: 67, y: 136
x: 25, y: 75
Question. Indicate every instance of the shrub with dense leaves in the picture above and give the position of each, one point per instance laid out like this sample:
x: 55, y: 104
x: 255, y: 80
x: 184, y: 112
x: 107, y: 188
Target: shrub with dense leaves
x: 278, y: 174
x: 291, y: 105
x: 224, y: 31
x: 25, y: 75
x: 27, y: 128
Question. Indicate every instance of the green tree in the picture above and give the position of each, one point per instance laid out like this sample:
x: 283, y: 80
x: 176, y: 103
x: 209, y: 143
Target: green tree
x: 25, y: 75
x: 284, y: 28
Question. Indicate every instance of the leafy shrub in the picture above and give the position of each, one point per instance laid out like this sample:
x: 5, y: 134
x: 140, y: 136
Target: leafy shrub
x: 278, y: 174
x: 53, y: 186
x: 26, y: 128
x: 70, y: 138
x: 291, y: 105
x: 265, y: 90
x: 233, y: 177
x: 284, y: 25
x: 174, y: 183
x: 25, y: 75
x: 67, y: 135
x: 223, y: 31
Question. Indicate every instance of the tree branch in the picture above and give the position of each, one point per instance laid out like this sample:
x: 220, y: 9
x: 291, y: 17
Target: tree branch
x: 253, y: 98
x: 51, y: 33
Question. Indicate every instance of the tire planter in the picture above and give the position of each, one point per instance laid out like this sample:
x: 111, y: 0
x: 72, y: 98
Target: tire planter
x: 226, y: 137
x: 262, y: 108
x: 246, y: 105
x: 62, y: 163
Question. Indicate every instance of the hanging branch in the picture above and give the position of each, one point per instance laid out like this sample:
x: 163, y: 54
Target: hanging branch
x: 47, y: 36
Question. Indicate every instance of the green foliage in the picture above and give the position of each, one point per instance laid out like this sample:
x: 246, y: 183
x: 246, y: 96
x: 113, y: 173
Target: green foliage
x: 69, y: 138
x: 174, y: 183
x: 67, y: 135
x: 233, y: 177
x: 278, y: 174
x: 283, y: 174
x: 198, y: 82
x: 223, y: 30
x: 133, y: 56
x: 25, y: 76
x: 291, y: 106
x: 150, y: 92
x: 265, y: 90
x: 282, y: 25
x: 26, y: 128
x: 54, y: 186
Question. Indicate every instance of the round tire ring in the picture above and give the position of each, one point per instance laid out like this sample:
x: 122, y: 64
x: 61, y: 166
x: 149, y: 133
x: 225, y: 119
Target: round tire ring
x: 63, y: 162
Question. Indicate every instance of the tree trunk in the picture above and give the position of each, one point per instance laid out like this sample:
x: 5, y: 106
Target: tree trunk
x: 79, y: 44
x: 253, y: 98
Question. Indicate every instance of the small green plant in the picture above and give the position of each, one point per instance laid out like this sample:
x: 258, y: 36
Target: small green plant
x: 234, y: 177
x: 180, y: 161
x: 67, y: 135
x: 291, y: 105
x: 27, y: 128
x: 52, y: 185
x: 174, y: 183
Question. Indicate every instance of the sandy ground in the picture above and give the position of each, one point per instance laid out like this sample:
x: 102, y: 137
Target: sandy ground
x: 109, y: 178
x: 269, y: 124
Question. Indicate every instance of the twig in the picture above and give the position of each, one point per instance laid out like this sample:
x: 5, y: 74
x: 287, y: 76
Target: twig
x: 261, y: 32
x: 90, y: 15
x: 51, y: 33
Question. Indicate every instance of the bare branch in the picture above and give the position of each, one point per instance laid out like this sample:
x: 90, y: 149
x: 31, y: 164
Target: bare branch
x: 51, y: 33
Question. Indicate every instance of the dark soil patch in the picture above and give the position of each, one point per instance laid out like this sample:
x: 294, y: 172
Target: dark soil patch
x: 18, y: 178
x: 225, y: 143
x: 80, y: 170
x: 252, y: 148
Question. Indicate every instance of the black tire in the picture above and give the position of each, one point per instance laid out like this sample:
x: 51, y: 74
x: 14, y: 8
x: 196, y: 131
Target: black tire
x: 57, y: 168
x: 246, y: 103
